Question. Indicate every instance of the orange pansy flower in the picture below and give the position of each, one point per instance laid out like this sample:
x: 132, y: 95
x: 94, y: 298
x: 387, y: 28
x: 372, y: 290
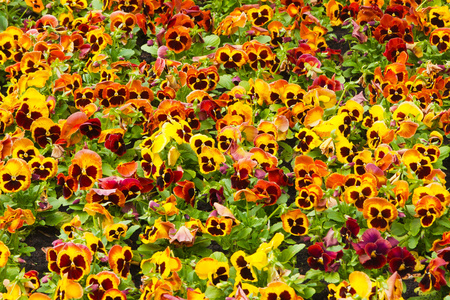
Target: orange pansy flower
x: 379, y: 213
x: 230, y: 57
x: 43, y: 167
x: 15, y: 176
x: 119, y: 260
x: 210, y: 159
x: 45, y: 131
x: 86, y: 168
x: 105, y: 281
x: 178, y: 39
x: 428, y: 209
x: 14, y: 219
x: 295, y: 222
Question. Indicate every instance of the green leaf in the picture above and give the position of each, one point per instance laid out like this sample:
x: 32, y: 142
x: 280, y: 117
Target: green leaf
x: 214, y: 293
x: 126, y: 53
x: 97, y: 4
x: 56, y: 218
x: 332, y: 277
x: 415, y: 227
x: 289, y: 252
x: 149, y: 248
x: 336, y: 216
x: 219, y: 256
x: 413, y: 241
x: 131, y: 230
x: 308, y: 292
x: 226, y: 81
x: 398, y: 229
x: 107, y: 170
x: 153, y: 50
x: 212, y: 40
x: 263, y: 39
x: 3, y: 22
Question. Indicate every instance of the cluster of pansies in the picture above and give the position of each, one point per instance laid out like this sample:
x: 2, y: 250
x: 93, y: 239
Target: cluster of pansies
x: 192, y: 150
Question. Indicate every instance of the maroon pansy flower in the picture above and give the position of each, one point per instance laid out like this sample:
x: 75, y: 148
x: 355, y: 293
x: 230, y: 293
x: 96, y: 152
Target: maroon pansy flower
x: 349, y: 232
x: 321, y: 259
x: 91, y: 128
x: 116, y: 144
x: 401, y: 261
x: 372, y: 249
x: 434, y: 275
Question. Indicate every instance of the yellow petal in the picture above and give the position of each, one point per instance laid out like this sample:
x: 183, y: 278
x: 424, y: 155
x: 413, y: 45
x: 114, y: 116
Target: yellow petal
x: 361, y: 283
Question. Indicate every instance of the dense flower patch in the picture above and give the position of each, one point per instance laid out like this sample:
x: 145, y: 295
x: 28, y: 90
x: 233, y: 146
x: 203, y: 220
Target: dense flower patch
x: 191, y: 150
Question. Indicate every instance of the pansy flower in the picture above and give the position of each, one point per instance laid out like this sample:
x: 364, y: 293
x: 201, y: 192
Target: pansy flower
x: 428, y: 209
x: 431, y: 151
x: 15, y: 176
x: 155, y: 289
x: 178, y: 39
x: 68, y: 289
x: 379, y: 213
x: 69, y: 228
x: 358, y: 194
x: 322, y: 259
x: 14, y: 219
x: 210, y: 159
x: 92, y: 128
x: 73, y: 261
x: 379, y: 134
x: 395, y: 92
x: 116, y: 144
x: 159, y: 230
x: 260, y: 16
x: 394, y: 48
x: 30, y: 111
x: 45, y: 131
x: 372, y: 249
x: 309, y: 196
x: 400, y: 193
x: 69, y: 185
x: 43, y: 167
x: 98, y: 39
x: 243, y: 264
x: 94, y: 244
x: 104, y: 196
x: 213, y: 270
x: 349, y: 232
x: 230, y: 57
x: 218, y: 226
x: 295, y: 222
x: 434, y: 276
x: 401, y: 261
x: 266, y: 142
x: 259, y: 55
x: 83, y: 96
x: 119, y: 260
x: 340, y: 291
x: 165, y: 263
x: 439, y: 16
x: 86, y: 168
x: 243, y: 170
x: 417, y: 163
x: 7, y: 46
x: 104, y: 281
x: 441, y: 39
x: 115, y: 231
x: 198, y: 140
x: 185, y: 190
x: 124, y: 21
x: 114, y: 95
x: 278, y: 290
x: 307, y: 140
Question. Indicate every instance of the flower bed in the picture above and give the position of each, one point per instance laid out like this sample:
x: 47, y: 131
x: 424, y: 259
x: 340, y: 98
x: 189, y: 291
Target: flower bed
x: 285, y: 149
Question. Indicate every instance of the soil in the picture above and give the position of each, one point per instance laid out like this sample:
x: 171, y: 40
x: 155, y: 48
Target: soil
x: 40, y: 238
